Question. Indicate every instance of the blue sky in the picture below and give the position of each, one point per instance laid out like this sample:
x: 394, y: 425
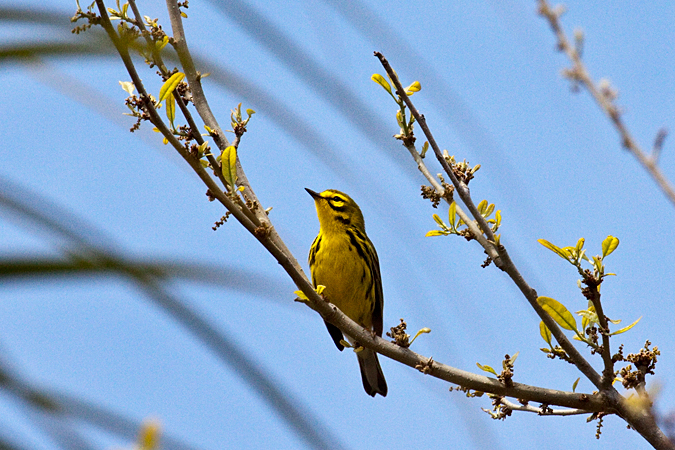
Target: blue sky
x: 491, y: 92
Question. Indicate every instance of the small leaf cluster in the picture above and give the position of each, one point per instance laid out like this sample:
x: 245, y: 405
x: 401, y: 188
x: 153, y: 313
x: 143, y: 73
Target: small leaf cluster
x: 457, y: 226
x: 506, y: 375
x: 462, y: 170
x: 577, y: 254
x: 401, y: 338
x: 564, y: 318
x: 237, y: 122
x: 137, y: 105
x: 90, y: 16
x: 303, y: 298
x: 590, y: 330
x: 500, y: 411
x: 469, y: 393
x: 405, y: 123
x: 644, y: 361
x: 129, y: 29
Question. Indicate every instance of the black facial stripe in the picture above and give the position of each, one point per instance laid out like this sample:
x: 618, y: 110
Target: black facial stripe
x: 344, y: 220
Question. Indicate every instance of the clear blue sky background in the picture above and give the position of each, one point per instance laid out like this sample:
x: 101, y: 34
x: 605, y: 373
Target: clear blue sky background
x: 491, y: 92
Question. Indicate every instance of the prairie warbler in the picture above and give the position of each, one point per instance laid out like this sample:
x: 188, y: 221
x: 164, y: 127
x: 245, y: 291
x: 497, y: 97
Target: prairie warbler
x: 343, y: 259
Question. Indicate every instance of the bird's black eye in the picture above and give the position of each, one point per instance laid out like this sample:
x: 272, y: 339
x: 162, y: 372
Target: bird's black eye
x: 337, y: 199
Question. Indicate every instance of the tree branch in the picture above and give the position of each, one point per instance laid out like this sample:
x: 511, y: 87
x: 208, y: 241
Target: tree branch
x: 506, y: 264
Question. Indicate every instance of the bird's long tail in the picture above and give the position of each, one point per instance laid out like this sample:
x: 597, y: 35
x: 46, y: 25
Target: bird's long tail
x: 371, y: 373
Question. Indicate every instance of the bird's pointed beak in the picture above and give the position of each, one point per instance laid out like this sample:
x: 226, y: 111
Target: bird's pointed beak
x: 313, y: 194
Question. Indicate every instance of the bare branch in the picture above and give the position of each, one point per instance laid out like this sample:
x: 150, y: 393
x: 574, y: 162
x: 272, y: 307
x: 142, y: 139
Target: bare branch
x: 605, y: 97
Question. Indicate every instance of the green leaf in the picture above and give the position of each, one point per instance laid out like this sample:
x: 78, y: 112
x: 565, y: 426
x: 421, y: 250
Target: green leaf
x: 554, y: 248
x: 487, y: 369
x: 488, y: 211
x: 624, y: 329
x: 609, y: 245
x: 452, y: 215
x: 228, y: 160
x: 128, y: 86
x: 425, y: 147
x: 171, y: 108
x: 435, y: 233
x: 482, y: 206
x: 414, y: 87
x: 170, y: 85
x: 558, y: 312
x: 580, y: 244
x: 513, y: 358
x: 379, y: 79
x: 574, y: 385
x: 545, y: 333
x: 162, y: 43
x: 568, y: 251
x: 203, y: 148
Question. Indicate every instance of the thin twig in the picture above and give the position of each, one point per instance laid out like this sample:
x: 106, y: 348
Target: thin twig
x: 158, y: 60
x: 200, y: 101
x: 266, y: 234
x: 461, y: 188
x: 194, y: 129
x: 542, y: 411
x: 604, y: 98
x: 608, y: 371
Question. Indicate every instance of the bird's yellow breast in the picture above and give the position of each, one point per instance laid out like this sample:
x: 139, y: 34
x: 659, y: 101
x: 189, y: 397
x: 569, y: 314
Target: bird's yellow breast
x: 349, y: 283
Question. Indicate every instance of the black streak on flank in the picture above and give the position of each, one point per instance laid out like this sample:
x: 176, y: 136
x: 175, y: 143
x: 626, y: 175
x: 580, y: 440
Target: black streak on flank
x: 314, y: 251
x: 355, y: 243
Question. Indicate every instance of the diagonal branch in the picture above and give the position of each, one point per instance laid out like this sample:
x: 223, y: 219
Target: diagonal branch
x: 506, y: 263
x: 604, y: 97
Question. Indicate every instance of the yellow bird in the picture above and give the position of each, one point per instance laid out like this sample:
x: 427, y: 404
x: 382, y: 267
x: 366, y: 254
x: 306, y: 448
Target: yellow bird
x: 343, y: 259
